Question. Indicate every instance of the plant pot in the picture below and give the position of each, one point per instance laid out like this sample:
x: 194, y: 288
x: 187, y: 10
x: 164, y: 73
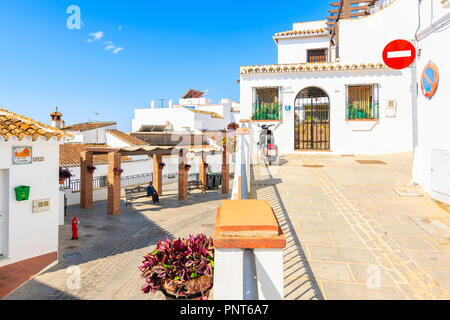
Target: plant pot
x: 91, y: 171
x: 62, y: 180
x: 194, y: 286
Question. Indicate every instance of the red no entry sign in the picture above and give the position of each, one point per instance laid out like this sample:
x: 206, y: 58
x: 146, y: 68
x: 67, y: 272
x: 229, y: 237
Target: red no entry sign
x: 399, y: 54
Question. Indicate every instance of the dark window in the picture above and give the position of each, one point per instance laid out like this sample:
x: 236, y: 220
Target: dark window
x: 316, y: 55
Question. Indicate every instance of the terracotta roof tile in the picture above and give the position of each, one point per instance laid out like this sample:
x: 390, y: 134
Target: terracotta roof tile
x: 306, y: 67
x: 16, y: 125
x: 132, y: 141
x: 88, y: 126
x: 69, y: 154
x: 309, y: 32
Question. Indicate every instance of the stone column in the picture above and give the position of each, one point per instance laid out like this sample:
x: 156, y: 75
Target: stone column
x: 86, y: 159
x: 114, y: 161
x: 157, y: 173
x: 182, y: 177
x: 202, y: 170
x: 225, y: 169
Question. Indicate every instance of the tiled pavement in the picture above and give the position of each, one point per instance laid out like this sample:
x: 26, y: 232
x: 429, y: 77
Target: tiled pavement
x: 349, y: 236
x: 112, y: 247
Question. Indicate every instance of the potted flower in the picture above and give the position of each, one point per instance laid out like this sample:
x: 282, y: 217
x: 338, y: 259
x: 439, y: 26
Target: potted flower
x: 181, y: 269
x: 64, y: 173
x: 187, y: 167
x: 162, y: 165
x: 91, y: 169
x: 206, y: 165
x: 117, y: 172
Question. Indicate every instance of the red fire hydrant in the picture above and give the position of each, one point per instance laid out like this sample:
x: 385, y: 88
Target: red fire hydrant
x: 75, y: 223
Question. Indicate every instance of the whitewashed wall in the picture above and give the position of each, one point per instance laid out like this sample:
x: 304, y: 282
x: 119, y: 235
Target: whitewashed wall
x: 91, y: 136
x: 390, y: 135
x: 433, y: 114
x: 362, y: 40
x: 295, y: 50
x: 30, y: 234
x: 142, y: 167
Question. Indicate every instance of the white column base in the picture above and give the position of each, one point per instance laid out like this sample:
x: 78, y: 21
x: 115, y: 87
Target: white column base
x: 228, y: 274
x: 269, y: 271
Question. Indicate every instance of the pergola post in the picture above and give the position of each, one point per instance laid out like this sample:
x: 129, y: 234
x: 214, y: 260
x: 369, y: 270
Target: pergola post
x: 202, y: 170
x: 182, y: 177
x: 157, y: 173
x: 86, y: 159
x: 114, y: 161
x: 225, y: 168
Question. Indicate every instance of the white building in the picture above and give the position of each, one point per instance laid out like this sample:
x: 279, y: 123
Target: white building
x: 193, y: 112
x: 28, y: 227
x: 431, y: 159
x: 337, y: 97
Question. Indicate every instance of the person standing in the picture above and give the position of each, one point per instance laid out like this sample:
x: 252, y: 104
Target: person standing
x: 151, y: 191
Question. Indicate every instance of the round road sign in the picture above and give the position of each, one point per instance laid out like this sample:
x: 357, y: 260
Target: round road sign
x: 429, y: 80
x: 399, y: 54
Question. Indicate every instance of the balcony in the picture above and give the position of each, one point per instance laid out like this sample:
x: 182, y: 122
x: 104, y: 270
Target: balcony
x: 266, y: 112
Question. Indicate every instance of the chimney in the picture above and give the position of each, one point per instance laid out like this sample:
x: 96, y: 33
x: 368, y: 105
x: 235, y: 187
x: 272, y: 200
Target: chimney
x: 56, y: 119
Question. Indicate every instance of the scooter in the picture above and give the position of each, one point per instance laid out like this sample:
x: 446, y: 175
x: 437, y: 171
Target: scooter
x: 268, y: 148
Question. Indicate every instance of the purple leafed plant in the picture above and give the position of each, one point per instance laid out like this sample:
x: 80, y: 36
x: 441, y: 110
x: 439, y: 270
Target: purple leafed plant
x: 118, y: 170
x: 174, y: 263
x: 64, y: 173
x: 91, y: 168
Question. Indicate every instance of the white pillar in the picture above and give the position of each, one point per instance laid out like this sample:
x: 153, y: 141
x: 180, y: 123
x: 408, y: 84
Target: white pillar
x: 153, y: 104
x: 228, y: 274
x: 61, y: 207
x: 170, y: 104
x: 269, y: 273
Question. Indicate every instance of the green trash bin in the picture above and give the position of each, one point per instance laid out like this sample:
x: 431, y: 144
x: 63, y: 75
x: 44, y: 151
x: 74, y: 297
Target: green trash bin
x: 22, y: 193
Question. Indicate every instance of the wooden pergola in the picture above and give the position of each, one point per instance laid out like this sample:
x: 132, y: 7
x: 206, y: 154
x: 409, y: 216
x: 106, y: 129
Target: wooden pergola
x: 157, y: 153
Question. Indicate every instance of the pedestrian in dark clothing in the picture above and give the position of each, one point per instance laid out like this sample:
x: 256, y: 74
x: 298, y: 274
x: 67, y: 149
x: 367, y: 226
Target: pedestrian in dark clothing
x: 151, y: 191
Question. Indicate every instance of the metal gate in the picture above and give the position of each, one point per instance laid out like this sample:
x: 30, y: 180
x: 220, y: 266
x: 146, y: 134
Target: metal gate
x: 312, y: 120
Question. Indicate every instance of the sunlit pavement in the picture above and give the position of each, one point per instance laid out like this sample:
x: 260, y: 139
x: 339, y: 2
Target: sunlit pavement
x: 349, y: 235
x: 110, y: 248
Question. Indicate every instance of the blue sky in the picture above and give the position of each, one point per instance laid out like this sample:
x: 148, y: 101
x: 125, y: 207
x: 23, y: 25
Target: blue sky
x: 157, y: 49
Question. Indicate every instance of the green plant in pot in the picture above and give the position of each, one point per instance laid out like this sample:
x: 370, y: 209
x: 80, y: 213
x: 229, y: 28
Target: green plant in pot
x: 181, y: 269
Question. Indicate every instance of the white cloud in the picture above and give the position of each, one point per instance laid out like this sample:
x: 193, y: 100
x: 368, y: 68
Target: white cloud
x: 120, y: 28
x: 109, y: 47
x: 97, y: 35
x: 117, y: 50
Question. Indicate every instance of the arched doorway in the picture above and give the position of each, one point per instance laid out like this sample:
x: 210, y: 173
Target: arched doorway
x: 312, y: 120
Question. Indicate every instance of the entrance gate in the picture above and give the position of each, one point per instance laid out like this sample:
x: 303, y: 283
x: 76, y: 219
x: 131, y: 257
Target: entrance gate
x: 312, y: 120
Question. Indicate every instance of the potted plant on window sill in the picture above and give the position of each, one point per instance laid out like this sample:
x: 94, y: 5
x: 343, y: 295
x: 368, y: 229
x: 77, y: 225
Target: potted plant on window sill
x: 187, y: 167
x: 91, y: 169
x: 117, y: 172
x: 64, y: 173
x: 181, y: 269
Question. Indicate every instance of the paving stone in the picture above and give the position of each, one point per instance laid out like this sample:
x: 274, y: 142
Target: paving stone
x: 346, y: 291
x: 338, y: 254
x: 331, y: 271
x: 315, y: 238
x: 350, y: 240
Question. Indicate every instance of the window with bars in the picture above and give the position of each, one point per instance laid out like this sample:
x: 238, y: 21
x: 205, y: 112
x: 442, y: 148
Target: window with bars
x: 266, y: 103
x: 316, y: 55
x: 362, y: 102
